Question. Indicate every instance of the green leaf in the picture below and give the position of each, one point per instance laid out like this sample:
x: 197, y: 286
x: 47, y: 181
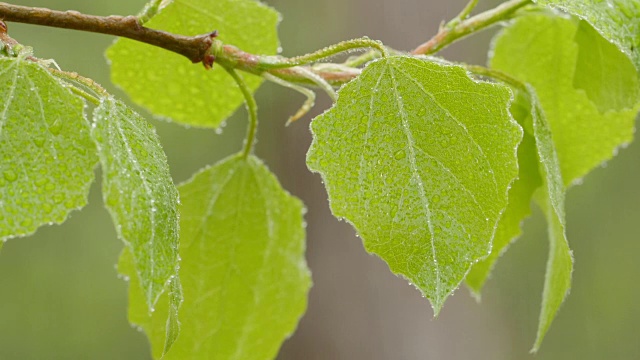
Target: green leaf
x: 139, y: 193
x: 169, y: 85
x: 162, y: 325
x: 47, y: 156
x: 520, y: 196
x: 419, y: 158
x: 603, y: 72
x: 243, y: 271
x: 543, y: 50
x: 560, y: 263
x: 617, y: 20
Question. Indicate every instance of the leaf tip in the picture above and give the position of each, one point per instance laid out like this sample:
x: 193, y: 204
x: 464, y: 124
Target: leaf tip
x: 476, y: 294
x: 437, y: 303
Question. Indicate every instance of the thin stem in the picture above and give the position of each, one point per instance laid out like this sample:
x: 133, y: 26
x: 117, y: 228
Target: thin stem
x: 463, y: 14
x: 232, y: 57
x: 278, y: 62
x: 306, y: 106
x: 497, y: 75
x: 447, y: 36
x: 149, y: 11
x: 252, y: 109
x: 361, y: 60
x: 318, y: 81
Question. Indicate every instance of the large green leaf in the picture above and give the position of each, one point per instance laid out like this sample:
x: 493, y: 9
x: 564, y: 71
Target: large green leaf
x: 243, y: 271
x: 171, y: 86
x: 617, y: 20
x: 419, y: 158
x: 520, y: 196
x: 139, y: 193
x: 47, y: 154
x: 545, y: 51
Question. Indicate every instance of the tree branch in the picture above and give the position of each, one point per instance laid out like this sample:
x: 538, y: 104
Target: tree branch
x: 205, y: 49
x: 449, y: 34
x: 193, y: 47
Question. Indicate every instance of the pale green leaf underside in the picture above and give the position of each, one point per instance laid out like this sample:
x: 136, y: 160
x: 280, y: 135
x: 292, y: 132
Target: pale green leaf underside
x: 139, y: 193
x: 541, y: 50
x: 590, y: 93
x: 545, y: 51
x: 520, y: 195
x: 243, y: 272
x: 46, y: 154
x: 560, y: 263
x: 617, y: 20
x: 169, y: 85
x: 603, y: 72
x: 418, y: 157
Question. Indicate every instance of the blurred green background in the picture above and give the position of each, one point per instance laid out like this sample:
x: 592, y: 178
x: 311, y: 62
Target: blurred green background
x: 60, y: 297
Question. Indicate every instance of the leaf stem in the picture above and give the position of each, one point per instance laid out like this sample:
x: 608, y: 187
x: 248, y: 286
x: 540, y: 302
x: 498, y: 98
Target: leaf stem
x: 94, y: 100
x: 450, y: 34
x: 463, y: 14
x: 252, y: 109
x: 497, y: 75
x: 279, y: 62
x: 75, y: 77
x: 149, y: 11
x: 309, y: 94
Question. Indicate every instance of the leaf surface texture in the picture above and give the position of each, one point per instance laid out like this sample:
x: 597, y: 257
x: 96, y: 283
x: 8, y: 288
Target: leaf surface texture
x: 139, y: 193
x: 47, y: 154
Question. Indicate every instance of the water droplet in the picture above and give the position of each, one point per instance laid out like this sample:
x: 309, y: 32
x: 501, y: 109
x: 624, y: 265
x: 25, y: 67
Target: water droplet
x: 47, y: 208
x: 57, y: 198
x: 56, y: 127
x: 400, y: 154
x: 39, y: 142
x: 10, y: 175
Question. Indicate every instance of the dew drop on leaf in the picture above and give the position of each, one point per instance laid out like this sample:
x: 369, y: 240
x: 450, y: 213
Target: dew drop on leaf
x: 10, y: 175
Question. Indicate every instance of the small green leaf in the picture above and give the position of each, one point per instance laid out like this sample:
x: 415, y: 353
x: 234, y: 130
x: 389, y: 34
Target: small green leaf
x: 169, y: 85
x: 560, y: 263
x: 520, y: 195
x: 46, y: 154
x: 617, y: 20
x: 243, y: 272
x: 419, y: 158
x: 139, y: 193
x: 544, y: 51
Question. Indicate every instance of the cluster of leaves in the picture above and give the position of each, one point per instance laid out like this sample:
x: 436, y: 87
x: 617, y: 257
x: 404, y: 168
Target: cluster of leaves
x: 433, y: 163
